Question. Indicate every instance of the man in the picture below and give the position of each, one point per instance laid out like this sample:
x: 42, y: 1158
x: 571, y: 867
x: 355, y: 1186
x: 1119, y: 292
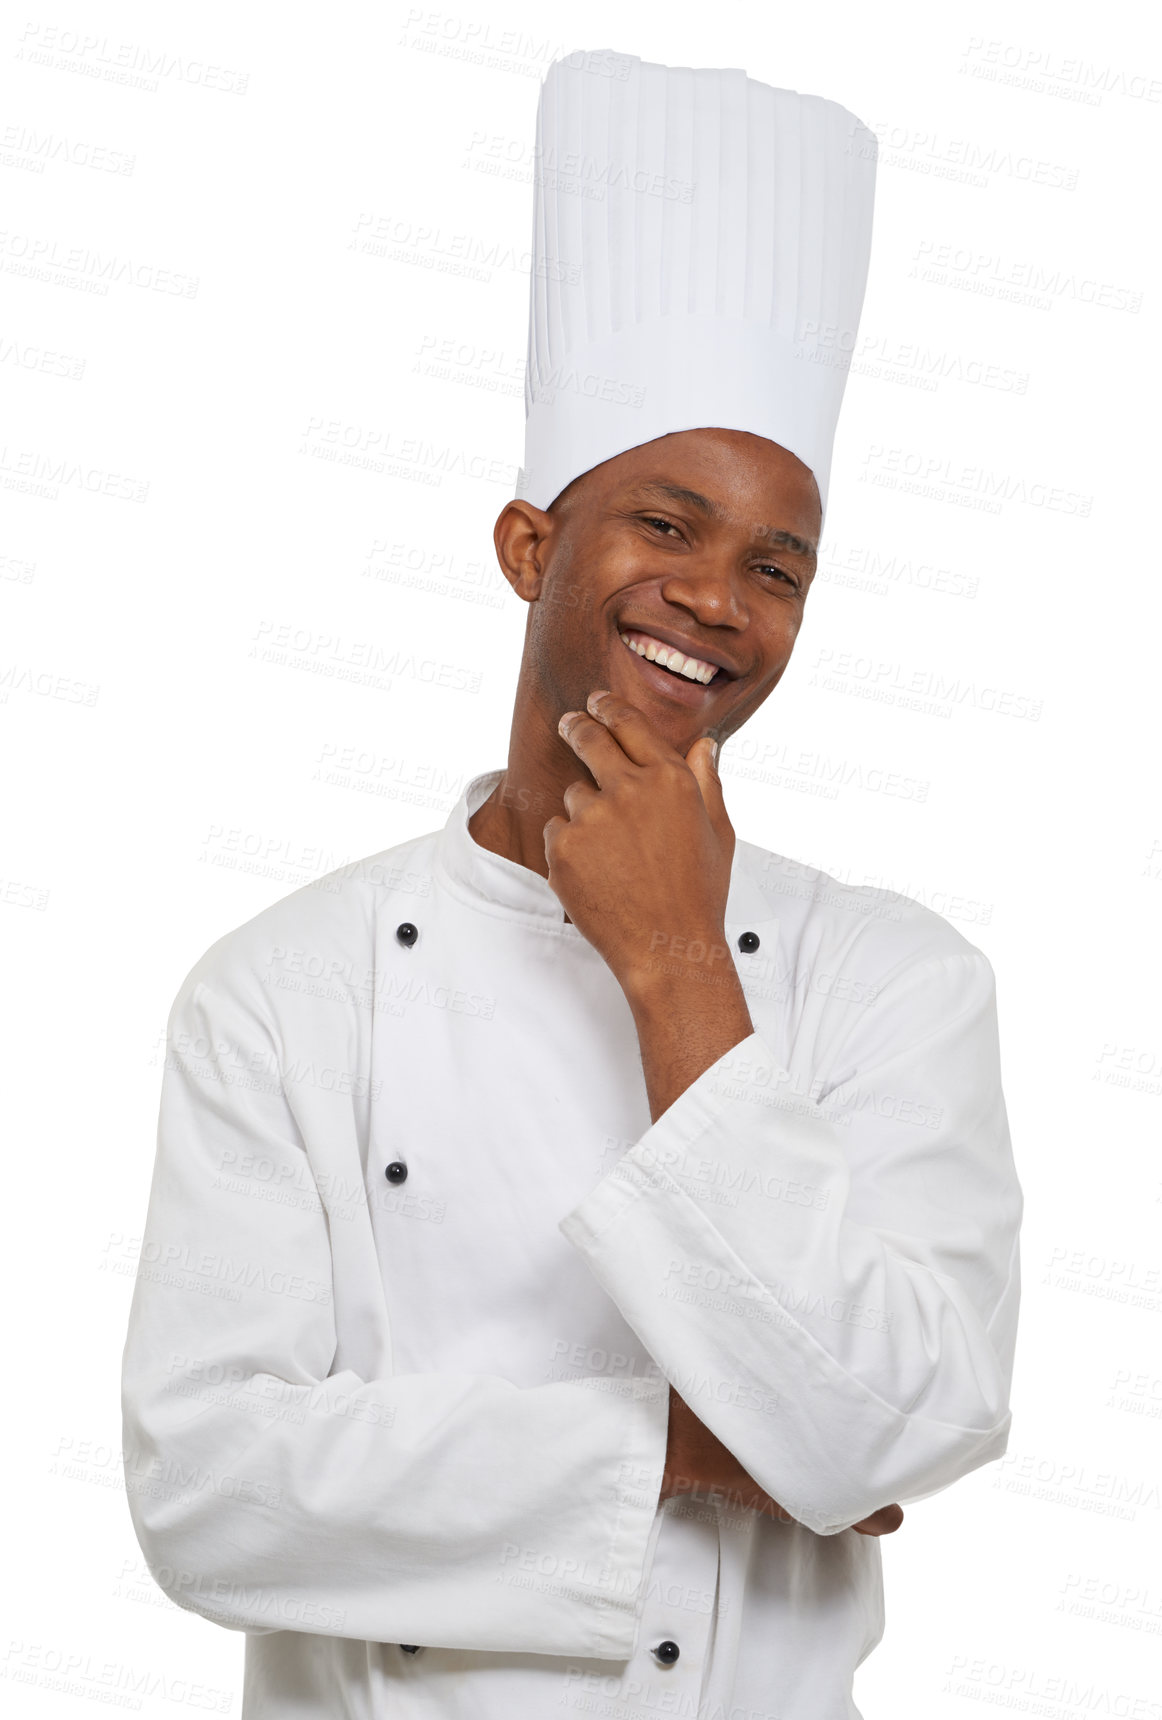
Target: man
x: 574, y: 1232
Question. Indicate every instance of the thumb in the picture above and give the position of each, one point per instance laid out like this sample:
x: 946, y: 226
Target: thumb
x: 703, y: 762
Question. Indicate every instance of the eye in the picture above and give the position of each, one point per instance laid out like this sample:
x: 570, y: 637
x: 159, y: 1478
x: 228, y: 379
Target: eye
x: 768, y: 567
x: 658, y: 521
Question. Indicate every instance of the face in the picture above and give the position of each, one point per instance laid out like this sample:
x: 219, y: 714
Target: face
x: 703, y: 542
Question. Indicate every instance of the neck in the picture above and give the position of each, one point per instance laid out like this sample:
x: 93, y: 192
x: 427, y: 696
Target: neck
x: 511, y: 822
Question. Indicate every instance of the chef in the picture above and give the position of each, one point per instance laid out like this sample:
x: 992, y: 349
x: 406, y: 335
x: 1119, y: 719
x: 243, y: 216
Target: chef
x: 575, y: 1233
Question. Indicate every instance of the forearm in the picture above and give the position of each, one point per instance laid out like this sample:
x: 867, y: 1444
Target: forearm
x: 685, y: 1022
x: 689, y: 1011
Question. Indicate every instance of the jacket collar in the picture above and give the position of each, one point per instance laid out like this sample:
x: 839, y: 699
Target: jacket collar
x: 488, y: 880
x: 495, y: 884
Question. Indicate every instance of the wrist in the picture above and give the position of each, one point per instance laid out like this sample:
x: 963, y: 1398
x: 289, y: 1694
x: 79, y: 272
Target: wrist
x: 680, y: 965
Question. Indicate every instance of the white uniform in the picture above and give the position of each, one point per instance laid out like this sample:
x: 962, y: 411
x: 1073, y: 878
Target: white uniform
x: 417, y: 1270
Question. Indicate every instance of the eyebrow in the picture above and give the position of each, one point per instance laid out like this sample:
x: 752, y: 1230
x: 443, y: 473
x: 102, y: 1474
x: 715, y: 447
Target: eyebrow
x: 713, y: 510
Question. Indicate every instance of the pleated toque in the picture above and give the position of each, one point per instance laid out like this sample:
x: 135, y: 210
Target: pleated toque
x: 700, y: 252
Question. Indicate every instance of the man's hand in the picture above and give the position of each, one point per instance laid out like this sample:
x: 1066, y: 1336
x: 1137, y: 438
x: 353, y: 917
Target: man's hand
x: 642, y: 865
x: 642, y: 862
x: 697, y: 1461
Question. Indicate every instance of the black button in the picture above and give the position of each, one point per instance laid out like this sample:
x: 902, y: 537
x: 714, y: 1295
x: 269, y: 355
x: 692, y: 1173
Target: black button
x: 667, y: 1652
x: 409, y: 1648
x: 396, y: 1171
x: 407, y: 933
x: 748, y: 943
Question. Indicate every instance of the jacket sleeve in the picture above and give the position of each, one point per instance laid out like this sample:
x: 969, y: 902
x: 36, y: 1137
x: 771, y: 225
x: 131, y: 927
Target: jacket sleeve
x: 831, y: 1280
x: 271, y: 1487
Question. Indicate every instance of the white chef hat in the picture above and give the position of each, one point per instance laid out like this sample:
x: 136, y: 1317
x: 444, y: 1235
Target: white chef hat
x: 700, y: 252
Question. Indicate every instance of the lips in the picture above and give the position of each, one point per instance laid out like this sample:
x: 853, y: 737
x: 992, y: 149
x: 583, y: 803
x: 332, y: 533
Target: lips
x: 669, y: 684
x: 670, y: 658
x: 678, y: 656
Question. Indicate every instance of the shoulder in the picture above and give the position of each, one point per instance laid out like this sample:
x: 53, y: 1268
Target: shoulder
x: 871, y: 974
x: 321, y: 936
x: 877, y: 932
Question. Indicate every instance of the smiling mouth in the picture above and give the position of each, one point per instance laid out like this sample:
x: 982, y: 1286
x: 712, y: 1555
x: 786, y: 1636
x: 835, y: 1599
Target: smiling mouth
x: 678, y: 662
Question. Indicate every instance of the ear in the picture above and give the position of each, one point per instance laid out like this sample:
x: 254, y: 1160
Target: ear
x: 521, y: 536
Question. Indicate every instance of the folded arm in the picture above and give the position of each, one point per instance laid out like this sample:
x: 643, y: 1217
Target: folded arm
x: 831, y: 1286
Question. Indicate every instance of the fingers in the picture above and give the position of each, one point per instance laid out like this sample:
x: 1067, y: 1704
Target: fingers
x: 702, y: 761
x: 634, y: 733
x: 885, y: 1521
x: 576, y: 795
x: 595, y: 746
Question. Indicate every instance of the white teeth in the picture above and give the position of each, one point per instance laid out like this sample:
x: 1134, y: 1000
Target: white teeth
x: 691, y: 667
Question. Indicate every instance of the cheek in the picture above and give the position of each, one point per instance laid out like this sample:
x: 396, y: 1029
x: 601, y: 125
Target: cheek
x: 559, y: 608
x: 781, y: 638
x: 776, y: 643
x: 757, y: 695
x: 564, y: 639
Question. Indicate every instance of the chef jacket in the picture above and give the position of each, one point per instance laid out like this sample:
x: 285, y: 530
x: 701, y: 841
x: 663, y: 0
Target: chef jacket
x: 418, y: 1270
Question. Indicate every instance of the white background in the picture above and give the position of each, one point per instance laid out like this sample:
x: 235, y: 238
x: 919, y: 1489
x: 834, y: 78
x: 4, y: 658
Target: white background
x: 250, y: 468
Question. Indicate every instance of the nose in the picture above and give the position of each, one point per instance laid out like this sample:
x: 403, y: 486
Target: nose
x: 709, y: 587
